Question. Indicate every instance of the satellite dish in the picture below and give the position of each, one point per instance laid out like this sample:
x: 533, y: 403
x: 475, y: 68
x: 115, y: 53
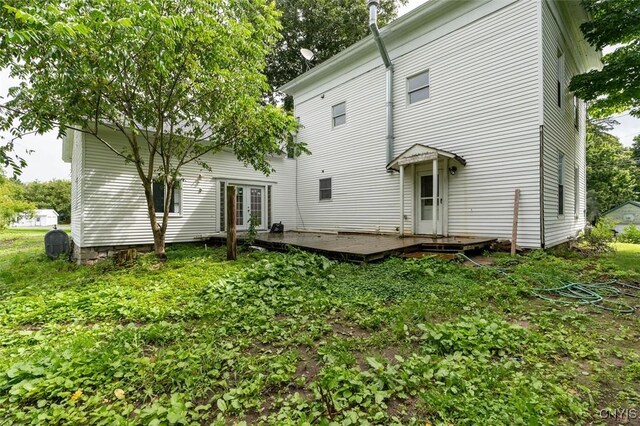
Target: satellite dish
x: 307, y: 54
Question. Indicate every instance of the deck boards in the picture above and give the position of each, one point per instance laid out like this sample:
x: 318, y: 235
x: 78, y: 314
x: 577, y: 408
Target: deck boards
x: 363, y: 247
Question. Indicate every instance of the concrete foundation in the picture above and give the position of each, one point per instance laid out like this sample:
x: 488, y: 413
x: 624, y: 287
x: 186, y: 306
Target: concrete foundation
x: 91, y: 255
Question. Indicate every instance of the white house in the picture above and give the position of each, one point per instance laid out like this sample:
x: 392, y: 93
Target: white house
x: 43, y: 218
x: 466, y: 100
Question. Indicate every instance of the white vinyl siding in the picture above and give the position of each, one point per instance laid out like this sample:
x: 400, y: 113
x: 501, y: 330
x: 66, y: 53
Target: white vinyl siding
x: 114, y: 206
x: 77, y: 183
x: 483, y: 107
x: 418, y: 87
x: 560, y: 133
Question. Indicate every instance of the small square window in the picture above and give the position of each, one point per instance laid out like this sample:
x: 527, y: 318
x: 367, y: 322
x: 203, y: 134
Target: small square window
x: 418, y: 87
x: 339, y: 113
x: 325, y: 189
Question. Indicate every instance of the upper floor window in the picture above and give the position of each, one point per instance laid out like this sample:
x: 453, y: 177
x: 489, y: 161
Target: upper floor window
x: 159, y: 196
x: 418, y: 87
x: 325, y: 189
x: 339, y: 113
x: 576, y: 111
x: 560, y: 78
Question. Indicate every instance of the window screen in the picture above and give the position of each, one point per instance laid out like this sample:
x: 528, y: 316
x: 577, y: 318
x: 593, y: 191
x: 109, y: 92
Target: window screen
x: 325, y: 189
x: 418, y: 87
x: 339, y: 113
x: 561, y: 184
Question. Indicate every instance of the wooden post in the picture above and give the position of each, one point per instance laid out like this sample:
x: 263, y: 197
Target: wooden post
x: 434, y: 219
x: 231, y: 223
x: 514, y: 232
x: 402, y: 201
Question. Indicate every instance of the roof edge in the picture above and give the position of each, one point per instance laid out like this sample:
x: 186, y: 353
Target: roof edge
x: 363, y: 46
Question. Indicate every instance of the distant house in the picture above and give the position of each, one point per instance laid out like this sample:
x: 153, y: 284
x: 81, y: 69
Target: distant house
x: 470, y: 104
x: 624, y: 215
x: 43, y: 218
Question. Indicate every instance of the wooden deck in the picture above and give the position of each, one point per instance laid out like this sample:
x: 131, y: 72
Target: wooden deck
x: 362, y: 247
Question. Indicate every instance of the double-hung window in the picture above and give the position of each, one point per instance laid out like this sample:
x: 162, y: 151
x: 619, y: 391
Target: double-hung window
x: 325, y: 189
x: 560, y: 78
x: 339, y: 114
x: 576, y: 192
x: 160, y: 193
x: 561, y: 185
x: 418, y: 87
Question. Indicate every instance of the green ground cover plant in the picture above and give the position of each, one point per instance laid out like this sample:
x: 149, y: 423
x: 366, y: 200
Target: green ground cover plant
x: 294, y: 338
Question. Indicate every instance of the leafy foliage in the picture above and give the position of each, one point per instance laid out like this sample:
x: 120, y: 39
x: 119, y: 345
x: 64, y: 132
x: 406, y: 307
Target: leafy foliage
x: 178, y: 80
x: 600, y: 237
x: 612, y: 176
x: 54, y: 194
x: 294, y: 338
x: 12, y: 201
x: 616, y: 87
x: 630, y: 234
x: 326, y: 27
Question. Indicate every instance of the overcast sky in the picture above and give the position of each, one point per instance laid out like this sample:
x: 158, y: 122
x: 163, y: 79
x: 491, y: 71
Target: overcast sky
x: 45, y: 163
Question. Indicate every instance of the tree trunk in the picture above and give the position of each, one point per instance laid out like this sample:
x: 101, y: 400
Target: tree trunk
x: 158, y: 244
x: 158, y: 231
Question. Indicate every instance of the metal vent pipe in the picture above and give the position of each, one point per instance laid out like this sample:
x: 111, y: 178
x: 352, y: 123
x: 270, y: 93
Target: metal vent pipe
x: 373, y: 25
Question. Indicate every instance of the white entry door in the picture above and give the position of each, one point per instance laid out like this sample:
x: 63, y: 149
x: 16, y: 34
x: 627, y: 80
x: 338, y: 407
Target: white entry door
x: 425, y: 201
x: 250, y: 201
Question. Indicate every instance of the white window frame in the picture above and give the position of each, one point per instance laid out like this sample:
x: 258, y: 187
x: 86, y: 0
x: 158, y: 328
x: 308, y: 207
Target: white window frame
x: 177, y: 195
x: 576, y: 112
x: 560, y: 79
x: 576, y: 191
x: 561, y: 186
x: 335, y: 116
x: 330, y: 189
x: 419, y: 88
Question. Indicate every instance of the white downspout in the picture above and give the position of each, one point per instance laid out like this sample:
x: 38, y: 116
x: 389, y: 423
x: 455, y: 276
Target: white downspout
x: 373, y: 25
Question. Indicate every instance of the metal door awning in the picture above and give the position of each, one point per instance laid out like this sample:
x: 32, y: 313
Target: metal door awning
x: 419, y: 153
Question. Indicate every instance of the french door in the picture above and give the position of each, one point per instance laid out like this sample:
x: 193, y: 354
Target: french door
x: 250, y: 201
x: 425, y: 201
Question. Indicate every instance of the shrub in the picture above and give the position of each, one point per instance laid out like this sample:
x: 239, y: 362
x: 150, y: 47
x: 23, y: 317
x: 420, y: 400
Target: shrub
x: 600, y: 237
x: 631, y: 234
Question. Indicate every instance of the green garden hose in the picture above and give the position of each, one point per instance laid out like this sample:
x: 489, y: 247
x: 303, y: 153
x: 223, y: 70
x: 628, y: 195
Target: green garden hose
x: 598, y: 295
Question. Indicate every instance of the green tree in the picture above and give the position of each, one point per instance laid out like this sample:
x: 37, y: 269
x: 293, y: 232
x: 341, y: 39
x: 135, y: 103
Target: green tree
x: 616, y: 87
x: 179, y: 79
x: 635, y: 149
x: 612, y: 175
x: 54, y: 194
x: 11, y: 201
x: 326, y: 27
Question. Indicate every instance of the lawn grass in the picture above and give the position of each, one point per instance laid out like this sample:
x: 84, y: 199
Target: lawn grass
x: 294, y: 339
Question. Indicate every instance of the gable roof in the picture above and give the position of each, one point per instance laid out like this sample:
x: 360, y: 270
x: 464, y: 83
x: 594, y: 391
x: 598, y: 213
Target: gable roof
x: 633, y: 203
x: 419, y: 153
x: 433, y: 15
x: 40, y: 212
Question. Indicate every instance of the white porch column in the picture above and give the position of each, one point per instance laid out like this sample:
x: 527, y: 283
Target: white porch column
x: 402, y: 200
x: 435, y: 197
